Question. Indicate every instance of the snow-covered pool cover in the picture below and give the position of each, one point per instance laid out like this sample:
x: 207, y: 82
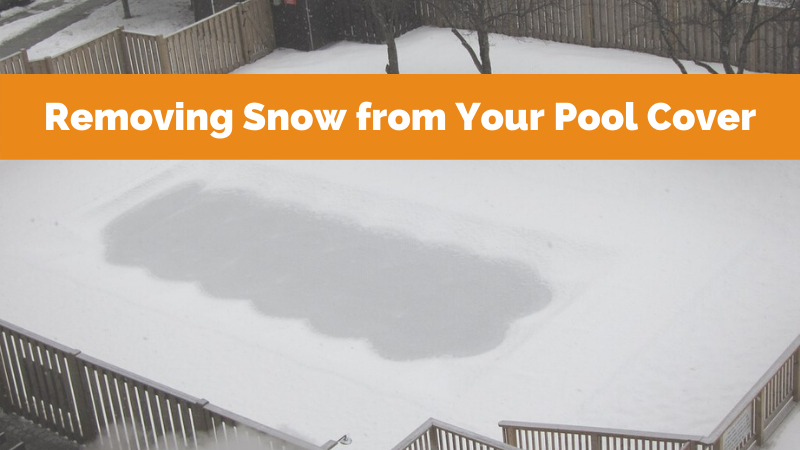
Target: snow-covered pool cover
x: 409, y: 299
x: 325, y: 298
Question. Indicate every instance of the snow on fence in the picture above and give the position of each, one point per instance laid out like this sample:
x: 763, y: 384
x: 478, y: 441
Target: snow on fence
x: 750, y: 423
x: 217, y: 44
x: 86, y: 399
x: 437, y: 435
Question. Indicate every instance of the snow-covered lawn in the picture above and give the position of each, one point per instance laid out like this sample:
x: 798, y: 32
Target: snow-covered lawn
x: 673, y: 285
x: 436, y: 50
x: 151, y: 17
x: 14, y: 28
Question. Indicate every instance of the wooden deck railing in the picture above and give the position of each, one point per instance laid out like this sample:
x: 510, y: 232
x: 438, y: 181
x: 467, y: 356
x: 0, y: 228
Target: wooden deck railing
x: 85, y: 399
x: 750, y: 423
x: 437, y: 435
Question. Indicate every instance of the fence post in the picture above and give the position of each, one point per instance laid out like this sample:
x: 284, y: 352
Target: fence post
x: 434, y: 435
x: 80, y: 389
x: 122, y: 50
x: 587, y: 22
x: 26, y: 64
x: 759, y: 417
x: 5, y: 383
x: 163, y: 56
x: 199, y: 415
x: 240, y: 18
x: 48, y: 63
x: 510, y: 436
x: 597, y: 443
x: 797, y: 375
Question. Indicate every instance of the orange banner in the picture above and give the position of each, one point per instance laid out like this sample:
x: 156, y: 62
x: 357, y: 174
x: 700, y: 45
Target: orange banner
x: 418, y: 116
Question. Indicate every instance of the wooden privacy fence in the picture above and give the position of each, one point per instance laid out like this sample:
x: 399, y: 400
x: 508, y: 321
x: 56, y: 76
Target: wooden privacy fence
x: 750, y: 423
x: 217, y: 44
x: 627, y: 25
x: 86, y: 399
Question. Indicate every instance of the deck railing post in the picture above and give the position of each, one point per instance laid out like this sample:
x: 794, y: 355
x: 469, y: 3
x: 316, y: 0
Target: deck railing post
x: 200, y: 416
x: 80, y: 390
x: 797, y: 375
x: 597, y: 443
x: 759, y: 417
x: 510, y: 435
x: 5, y: 383
x: 434, y: 436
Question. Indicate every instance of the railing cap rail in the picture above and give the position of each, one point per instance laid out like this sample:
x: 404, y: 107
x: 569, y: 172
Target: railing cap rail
x: 744, y: 403
x: 138, y: 378
x: 471, y: 435
x: 414, y: 434
x: 36, y: 337
x: 249, y: 423
x: 596, y: 430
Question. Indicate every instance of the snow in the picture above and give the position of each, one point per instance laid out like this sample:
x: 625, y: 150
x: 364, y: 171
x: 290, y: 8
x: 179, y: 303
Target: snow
x: 437, y: 50
x: 673, y: 286
x: 149, y: 17
x: 788, y: 435
x: 13, y: 29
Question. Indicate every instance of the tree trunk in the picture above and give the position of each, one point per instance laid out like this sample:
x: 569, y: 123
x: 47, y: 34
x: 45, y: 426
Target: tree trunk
x: 725, y: 38
x: 483, y: 46
x: 391, y: 47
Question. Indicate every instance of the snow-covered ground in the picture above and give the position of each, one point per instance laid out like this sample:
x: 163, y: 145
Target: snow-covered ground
x: 436, y: 50
x: 31, y: 15
x: 672, y: 286
x: 151, y: 17
x: 787, y: 437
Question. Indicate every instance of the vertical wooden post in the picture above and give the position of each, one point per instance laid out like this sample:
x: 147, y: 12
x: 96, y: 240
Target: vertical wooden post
x: 510, y: 435
x: 759, y: 417
x: 587, y: 22
x: 243, y: 44
x: 597, y: 444
x: 5, y: 382
x: 434, y: 435
x: 80, y: 389
x: 122, y: 50
x: 720, y: 444
x: 797, y: 375
x: 199, y: 415
x: 163, y: 56
x: 26, y: 63
x: 48, y: 63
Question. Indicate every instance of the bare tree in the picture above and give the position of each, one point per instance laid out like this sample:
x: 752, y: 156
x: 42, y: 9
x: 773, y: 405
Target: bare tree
x: 483, y: 17
x: 734, y: 23
x: 390, y: 17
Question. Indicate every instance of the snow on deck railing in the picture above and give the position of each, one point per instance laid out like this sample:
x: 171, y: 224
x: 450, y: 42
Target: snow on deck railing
x: 86, y: 399
x: 750, y: 423
x: 219, y: 43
